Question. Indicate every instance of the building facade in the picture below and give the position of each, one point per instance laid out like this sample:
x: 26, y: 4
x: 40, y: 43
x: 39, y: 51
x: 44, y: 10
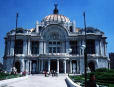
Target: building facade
x: 54, y: 44
x: 111, y: 56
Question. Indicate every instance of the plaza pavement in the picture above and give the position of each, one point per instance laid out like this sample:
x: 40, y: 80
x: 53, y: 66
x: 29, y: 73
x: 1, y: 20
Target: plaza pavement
x: 40, y: 81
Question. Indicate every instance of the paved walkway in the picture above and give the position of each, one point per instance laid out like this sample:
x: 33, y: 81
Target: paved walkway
x: 40, y: 81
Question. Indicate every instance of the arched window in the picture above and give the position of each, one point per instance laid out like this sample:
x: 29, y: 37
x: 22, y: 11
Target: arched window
x: 90, y: 31
x: 71, y: 29
x: 19, y: 31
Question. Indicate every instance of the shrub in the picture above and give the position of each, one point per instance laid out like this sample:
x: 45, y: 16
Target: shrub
x: 102, y: 76
x: 102, y: 70
x: 8, y: 76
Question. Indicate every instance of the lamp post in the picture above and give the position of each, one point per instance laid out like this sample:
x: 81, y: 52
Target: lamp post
x: 14, y: 43
x: 85, y: 52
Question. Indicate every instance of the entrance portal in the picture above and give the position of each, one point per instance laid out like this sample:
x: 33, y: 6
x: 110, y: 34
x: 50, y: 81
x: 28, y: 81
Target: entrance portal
x: 74, y: 66
x: 33, y: 67
x: 17, y: 66
x: 53, y: 65
x: 61, y: 67
x: 91, y: 66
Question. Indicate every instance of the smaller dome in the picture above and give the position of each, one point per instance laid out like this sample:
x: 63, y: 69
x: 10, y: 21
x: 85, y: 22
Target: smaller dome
x: 32, y: 30
x: 56, y: 18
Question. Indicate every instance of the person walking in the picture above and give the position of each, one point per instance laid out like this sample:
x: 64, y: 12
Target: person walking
x: 92, y: 81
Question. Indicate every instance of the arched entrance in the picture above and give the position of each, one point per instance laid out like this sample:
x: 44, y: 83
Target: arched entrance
x: 17, y: 66
x: 91, y: 65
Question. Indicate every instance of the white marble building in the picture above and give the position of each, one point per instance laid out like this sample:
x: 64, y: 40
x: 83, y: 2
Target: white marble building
x: 48, y: 47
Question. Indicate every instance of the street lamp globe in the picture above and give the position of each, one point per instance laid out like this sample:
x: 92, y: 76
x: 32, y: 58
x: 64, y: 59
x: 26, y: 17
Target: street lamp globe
x: 69, y: 50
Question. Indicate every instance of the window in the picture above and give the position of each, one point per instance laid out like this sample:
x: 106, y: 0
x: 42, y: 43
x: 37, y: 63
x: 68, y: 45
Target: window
x: 50, y: 43
x: 50, y: 49
x: 90, y: 46
x: 73, y: 45
x: 54, y: 47
x: 58, y: 43
x: 54, y: 43
x: 58, y: 49
x: 18, y: 47
x: 40, y: 28
x: 35, y: 47
x: 71, y: 29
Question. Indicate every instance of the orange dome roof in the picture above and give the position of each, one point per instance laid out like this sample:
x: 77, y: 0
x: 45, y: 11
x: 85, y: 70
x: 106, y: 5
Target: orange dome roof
x: 56, y: 18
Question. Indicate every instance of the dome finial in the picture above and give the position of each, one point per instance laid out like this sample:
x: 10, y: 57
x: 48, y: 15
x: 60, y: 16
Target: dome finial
x: 55, y: 11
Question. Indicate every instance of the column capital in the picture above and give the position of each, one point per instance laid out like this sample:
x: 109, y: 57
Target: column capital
x: 64, y: 65
x: 57, y: 59
x: 49, y: 59
x: 70, y: 59
x: 64, y: 60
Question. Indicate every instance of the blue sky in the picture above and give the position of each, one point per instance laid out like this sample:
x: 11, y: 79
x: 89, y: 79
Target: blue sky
x: 99, y: 14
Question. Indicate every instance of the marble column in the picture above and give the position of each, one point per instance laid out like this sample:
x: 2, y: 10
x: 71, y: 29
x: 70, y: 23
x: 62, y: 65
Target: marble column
x: 78, y: 71
x: 83, y: 43
x: 48, y: 65
x: 6, y: 47
x: 97, y: 47
x: 42, y: 66
x: 64, y: 66
x: 79, y: 47
x: 105, y: 48
x: 30, y: 66
x: 41, y: 47
x: 22, y: 65
x: 37, y: 66
x: 70, y: 66
x: 67, y: 46
x: 29, y: 47
x: 44, y: 47
x: 102, y: 47
x: 27, y: 66
x: 12, y: 48
x: 25, y: 47
x: 57, y: 65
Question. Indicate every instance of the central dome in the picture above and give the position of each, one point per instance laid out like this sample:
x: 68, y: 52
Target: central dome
x: 56, y: 17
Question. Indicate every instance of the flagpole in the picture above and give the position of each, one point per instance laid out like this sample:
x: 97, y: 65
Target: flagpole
x: 85, y: 52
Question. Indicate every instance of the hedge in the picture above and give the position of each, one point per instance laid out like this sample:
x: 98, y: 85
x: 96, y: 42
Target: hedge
x: 4, y: 76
